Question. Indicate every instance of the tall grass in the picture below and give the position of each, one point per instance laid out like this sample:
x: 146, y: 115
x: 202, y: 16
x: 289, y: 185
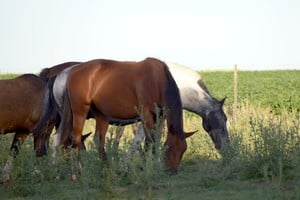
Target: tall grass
x: 264, y: 147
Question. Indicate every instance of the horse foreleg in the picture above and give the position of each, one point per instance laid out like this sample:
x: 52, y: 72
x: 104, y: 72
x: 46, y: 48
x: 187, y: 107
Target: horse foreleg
x: 101, y: 128
x: 78, y: 123
x: 148, y: 124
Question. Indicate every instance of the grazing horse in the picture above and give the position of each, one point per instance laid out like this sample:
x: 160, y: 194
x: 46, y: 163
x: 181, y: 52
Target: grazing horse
x: 21, y: 103
x: 119, y: 93
x: 21, y: 107
x: 196, y: 98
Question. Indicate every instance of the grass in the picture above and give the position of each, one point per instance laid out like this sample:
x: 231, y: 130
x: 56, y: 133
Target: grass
x: 277, y: 90
x: 262, y: 161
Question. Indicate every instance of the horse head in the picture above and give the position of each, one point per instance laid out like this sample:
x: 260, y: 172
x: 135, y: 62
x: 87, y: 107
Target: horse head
x: 214, y: 123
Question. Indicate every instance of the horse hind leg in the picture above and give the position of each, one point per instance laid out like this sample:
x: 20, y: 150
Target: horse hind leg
x: 101, y: 129
x: 15, y: 147
x: 17, y: 142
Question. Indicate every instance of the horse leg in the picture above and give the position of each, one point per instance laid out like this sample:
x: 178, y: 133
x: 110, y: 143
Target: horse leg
x: 119, y: 133
x: 55, y: 144
x: 17, y: 142
x: 101, y: 128
x: 139, y: 136
x: 79, y: 116
x: 15, y: 147
x: 148, y: 122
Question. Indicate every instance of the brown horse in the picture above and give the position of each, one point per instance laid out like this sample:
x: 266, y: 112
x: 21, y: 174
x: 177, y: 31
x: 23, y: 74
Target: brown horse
x: 118, y: 93
x: 21, y: 107
x: 21, y: 103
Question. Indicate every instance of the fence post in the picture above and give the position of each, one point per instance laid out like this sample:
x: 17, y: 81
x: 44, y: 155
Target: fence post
x: 235, y: 91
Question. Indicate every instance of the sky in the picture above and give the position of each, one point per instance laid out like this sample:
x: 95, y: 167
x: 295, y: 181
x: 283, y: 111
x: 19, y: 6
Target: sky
x: 201, y: 34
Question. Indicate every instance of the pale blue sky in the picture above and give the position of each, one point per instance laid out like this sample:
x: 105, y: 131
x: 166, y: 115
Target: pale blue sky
x: 211, y: 34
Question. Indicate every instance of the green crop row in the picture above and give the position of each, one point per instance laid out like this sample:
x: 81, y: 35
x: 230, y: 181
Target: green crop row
x: 277, y: 90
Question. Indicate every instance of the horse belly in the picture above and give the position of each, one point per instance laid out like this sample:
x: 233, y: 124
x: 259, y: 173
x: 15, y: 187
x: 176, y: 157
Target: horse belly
x: 117, y: 107
x: 12, y: 120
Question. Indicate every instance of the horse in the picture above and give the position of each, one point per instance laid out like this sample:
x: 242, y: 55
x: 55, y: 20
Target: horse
x: 99, y: 87
x: 197, y: 99
x: 21, y: 106
x: 21, y: 103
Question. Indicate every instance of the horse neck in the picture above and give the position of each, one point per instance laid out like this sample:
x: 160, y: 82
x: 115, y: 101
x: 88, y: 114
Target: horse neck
x: 197, y: 101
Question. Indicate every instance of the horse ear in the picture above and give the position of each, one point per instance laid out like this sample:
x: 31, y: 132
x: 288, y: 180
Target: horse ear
x: 222, y: 101
x: 189, y: 134
x: 83, y: 138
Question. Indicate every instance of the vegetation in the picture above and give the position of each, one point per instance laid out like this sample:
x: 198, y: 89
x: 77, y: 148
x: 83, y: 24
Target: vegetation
x: 262, y: 161
x: 277, y: 90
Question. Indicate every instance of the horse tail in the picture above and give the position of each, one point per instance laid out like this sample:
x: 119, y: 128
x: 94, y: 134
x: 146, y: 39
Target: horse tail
x: 43, y: 128
x: 49, y: 113
x: 173, y: 104
x: 66, y: 121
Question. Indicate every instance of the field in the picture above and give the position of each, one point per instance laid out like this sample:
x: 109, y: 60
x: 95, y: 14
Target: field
x: 262, y: 161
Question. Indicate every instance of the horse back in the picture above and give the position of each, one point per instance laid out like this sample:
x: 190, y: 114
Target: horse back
x: 108, y: 83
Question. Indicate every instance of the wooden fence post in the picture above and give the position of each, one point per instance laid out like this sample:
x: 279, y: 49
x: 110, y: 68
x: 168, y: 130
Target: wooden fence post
x: 235, y: 92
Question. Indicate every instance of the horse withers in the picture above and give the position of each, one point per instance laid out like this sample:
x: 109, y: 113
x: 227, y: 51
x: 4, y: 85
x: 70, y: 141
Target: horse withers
x: 117, y: 93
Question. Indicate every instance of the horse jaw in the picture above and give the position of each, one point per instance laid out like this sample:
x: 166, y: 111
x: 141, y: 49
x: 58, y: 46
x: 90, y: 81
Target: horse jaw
x: 189, y: 134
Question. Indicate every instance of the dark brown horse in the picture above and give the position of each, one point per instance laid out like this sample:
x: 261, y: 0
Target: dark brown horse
x: 118, y: 93
x: 21, y: 103
x: 21, y: 107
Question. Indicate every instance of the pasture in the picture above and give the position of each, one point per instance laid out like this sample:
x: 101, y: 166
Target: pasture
x: 262, y: 161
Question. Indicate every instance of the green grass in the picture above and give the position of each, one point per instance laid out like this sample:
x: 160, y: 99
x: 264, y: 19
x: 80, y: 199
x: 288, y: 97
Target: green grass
x: 262, y: 161
x: 7, y: 76
x: 277, y: 90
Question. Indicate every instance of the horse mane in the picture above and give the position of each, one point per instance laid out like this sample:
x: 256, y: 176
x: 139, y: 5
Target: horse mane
x: 203, y: 86
x: 173, y: 103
